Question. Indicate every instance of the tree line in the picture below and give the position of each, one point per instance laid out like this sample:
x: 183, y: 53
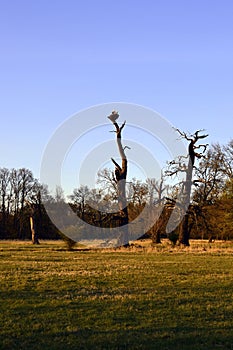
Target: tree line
x: 208, y: 215
x: 20, y: 200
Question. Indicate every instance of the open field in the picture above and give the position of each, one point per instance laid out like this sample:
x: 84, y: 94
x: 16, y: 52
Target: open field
x: 142, y: 298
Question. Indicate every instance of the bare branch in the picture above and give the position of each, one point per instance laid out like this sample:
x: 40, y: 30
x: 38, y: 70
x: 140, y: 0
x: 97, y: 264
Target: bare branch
x: 116, y: 164
x: 171, y: 173
x: 204, y: 146
x: 192, y: 137
x: 199, y: 136
x: 183, y: 134
x: 122, y: 126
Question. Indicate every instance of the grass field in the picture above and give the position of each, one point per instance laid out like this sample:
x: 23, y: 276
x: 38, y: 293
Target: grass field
x: 144, y: 298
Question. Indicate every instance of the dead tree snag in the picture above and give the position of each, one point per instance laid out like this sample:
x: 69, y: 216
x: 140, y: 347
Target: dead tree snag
x: 120, y: 177
x: 178, y: 166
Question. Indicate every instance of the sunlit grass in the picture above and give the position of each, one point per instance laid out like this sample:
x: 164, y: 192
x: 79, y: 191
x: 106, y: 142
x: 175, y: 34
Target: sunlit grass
x: 143, y: 298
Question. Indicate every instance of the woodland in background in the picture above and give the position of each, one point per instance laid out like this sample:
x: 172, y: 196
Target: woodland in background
x: 210, y: 210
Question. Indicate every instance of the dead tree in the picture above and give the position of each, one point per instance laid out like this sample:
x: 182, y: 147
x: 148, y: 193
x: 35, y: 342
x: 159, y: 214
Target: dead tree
x: 35, y: 217
x: 33, y: 225
x: 177, y: 166
x: 120, y: 177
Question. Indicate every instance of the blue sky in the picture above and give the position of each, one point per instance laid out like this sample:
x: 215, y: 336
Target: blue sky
x: 59, y: 57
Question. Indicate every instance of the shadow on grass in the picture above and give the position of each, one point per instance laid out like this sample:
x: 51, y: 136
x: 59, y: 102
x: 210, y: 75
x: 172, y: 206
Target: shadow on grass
x: 133, y: 339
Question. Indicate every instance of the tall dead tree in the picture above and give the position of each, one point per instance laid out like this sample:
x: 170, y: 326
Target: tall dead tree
x: 177, y: 166
x: 33, y: 225
x: 33, y: 220
x: 120, y: 178
x: 35, y: 217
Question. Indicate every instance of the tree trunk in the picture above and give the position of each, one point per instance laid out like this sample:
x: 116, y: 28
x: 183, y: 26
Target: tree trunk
x: 156, y: 238
x: 35, y: 238
x: 34, y: 226
x: 122, y: 203
x: 184, y: 231
x: 158, y: 226
x: 184, y: 226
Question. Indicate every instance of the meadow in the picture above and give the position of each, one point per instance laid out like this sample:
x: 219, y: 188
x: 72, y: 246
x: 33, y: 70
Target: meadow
x: 138, y: 298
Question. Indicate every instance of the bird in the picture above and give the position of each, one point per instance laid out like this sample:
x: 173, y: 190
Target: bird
x: 113, y: 116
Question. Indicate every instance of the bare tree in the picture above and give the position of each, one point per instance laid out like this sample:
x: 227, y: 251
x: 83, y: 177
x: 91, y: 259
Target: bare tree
x: 179, y: 165
x: 120, y: 177
x: 22, y: 183
x: 59, y: 196
x: 228, y: 159
x: 212, y: 175
x: 106, y: 179
x: 156, y: 189
x: 137, y: 192
x: 33, y: 218
x: 4, y: 199
x: 36, y: 210
x: 79, y: 197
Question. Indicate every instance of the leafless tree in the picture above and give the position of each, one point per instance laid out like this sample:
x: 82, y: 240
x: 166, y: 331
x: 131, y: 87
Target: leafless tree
x: 137, y: 192
x: 212, y: 175
x: 80, y: 197
x: 120, y: 177
x: 106, y: 179
x: 34, y: 210
x: 4, y: 198
x: 228, y: 159
x: 156, y: 196
x: 195, y: 151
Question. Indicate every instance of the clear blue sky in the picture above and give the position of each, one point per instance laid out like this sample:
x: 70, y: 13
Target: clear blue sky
x: 58, y: 57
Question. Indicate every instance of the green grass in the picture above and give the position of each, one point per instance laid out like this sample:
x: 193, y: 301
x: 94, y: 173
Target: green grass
x: 140, y: 299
